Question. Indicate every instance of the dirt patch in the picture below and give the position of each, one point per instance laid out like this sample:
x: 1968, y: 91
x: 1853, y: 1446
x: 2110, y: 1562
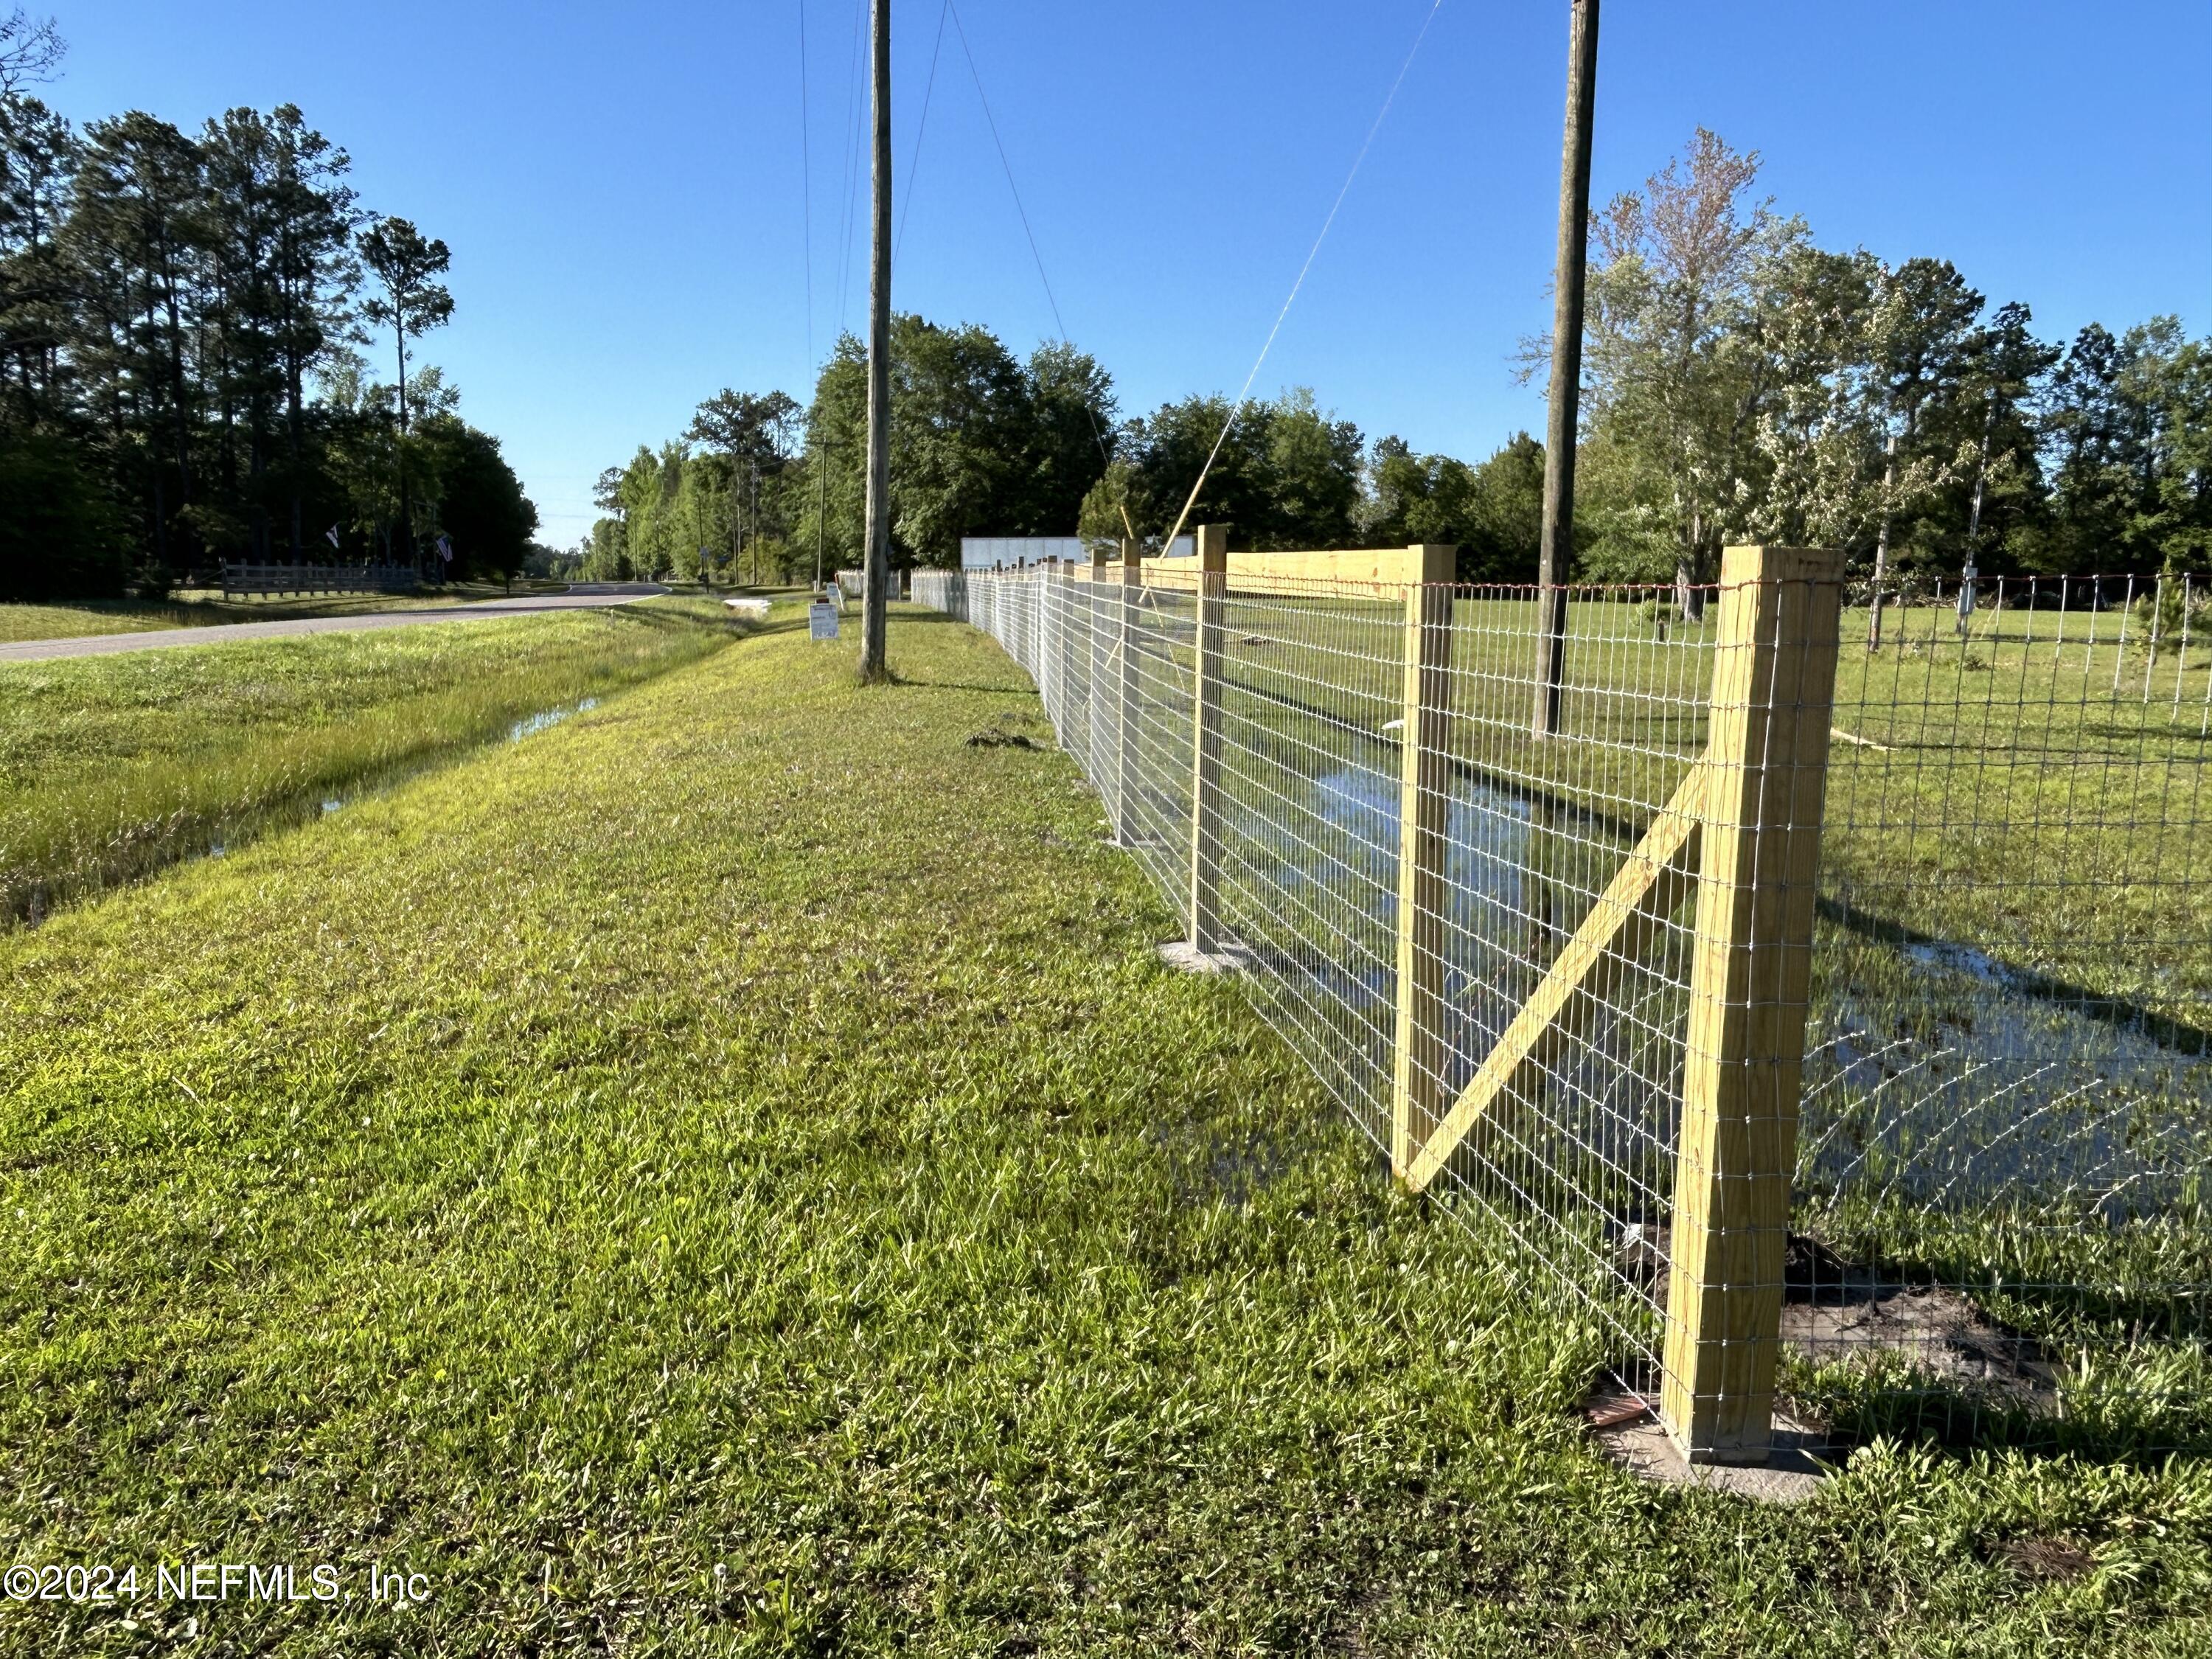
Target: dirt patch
x: 1936, y: 1330
x: 1005, y: 731
x: 1837, y: 1310
x: 2056, y: 1559
x: 1833, y: 1310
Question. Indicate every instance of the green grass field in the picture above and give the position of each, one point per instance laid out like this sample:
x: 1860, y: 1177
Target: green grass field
x: 205, y: 608
x: 112, y: 766
x: 729, y: 1175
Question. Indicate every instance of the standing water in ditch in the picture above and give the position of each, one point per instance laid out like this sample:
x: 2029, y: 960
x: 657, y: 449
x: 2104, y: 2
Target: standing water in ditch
x: 139, y: 850
x: 1936, y: 1076
x: 530, y: 724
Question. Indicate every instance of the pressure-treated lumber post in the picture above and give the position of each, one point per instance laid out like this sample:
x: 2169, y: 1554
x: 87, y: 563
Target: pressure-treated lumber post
x: 1417, y: 1087
x: 1765, y: 773
x: 1205, y: 743
x: 1061, y: 594
x: 1094, y: 680
x: 1045, y: 665
x: 1126, y: 729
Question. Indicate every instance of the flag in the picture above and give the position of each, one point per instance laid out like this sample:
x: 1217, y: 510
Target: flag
x: 331, y: 535
x: 445, y: 549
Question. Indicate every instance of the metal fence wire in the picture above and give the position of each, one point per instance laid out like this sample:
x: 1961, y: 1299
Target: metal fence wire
x: 1821, y: 1004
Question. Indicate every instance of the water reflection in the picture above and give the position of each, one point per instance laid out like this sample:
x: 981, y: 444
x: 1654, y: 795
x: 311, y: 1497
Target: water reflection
x: 530, y: 724
x: 1933, y: 1068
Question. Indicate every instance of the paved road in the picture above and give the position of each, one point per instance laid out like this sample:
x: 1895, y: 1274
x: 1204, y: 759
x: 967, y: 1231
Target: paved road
x: 581, y: 596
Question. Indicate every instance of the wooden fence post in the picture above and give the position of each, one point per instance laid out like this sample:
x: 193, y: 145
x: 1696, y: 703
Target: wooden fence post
x: 1072, y: 644
x: 1094, y: 677
x: 1052, y: 599
x: 1127, y: 728
x: 1766, y: 774
x: 1416, y: 1089
x: 1033, y: 609
x: 1074, y: 658
x: 1205, y: 743
x: 1041, y: 587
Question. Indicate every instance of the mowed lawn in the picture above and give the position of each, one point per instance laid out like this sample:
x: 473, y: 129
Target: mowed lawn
x: 729, y: 1174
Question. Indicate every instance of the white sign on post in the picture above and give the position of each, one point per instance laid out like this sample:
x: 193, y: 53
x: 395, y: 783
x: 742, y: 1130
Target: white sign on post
x: 822, y: 621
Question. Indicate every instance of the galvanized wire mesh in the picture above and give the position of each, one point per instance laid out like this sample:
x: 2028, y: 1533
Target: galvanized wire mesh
x: 1997, y: 1223
x: 2006, y: 1137
x: 853, y: 583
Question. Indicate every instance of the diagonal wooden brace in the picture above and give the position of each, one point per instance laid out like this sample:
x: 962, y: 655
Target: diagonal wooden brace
x: 1651, y: 882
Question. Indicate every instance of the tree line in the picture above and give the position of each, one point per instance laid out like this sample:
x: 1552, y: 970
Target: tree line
x: 1741, y: 383
x: 760, y: 488
x: 181, y: 379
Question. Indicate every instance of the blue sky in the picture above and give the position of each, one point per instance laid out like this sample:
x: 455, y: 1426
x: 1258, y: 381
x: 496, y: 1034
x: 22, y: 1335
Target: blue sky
x: 621, y: 187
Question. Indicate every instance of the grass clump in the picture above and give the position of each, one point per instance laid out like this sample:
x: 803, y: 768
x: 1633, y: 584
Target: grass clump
x: 732, y: 1176
x: 88, y: 616
x: 113, y: 766
x: 79, y: 618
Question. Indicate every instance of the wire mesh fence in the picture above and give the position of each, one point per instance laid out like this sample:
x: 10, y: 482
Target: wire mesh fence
x: 853, y: 583
x: 1821, y: 1002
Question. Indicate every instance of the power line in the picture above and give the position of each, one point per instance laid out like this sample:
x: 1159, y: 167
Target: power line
x: 854, y: 116
x: 983, y: 98
x: 805, y: 188
x: 991, y: 121
x: 913, y: 160
x: 1244, y: 395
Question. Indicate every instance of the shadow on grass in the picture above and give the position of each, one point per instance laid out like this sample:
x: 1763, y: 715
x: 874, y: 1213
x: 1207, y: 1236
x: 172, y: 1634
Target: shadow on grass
x: 2115, y: 1012
x: 923, y: 684
x: 2132, y: 1407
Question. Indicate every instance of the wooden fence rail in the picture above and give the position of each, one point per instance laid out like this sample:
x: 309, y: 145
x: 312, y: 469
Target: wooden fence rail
x: 239, y: 580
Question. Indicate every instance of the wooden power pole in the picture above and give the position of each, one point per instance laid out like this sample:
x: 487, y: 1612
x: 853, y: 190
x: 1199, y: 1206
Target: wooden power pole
x: 876, y: 569
x: 1558, y: 547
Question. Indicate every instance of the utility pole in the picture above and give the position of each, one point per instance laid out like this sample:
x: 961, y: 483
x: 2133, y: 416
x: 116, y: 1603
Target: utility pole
x: 1881, y: 544
x: 753, y: 522
x: 876, y: 572
x: 821, y: 507
x: 1968, y: 573
x: 1558, y: 546
x: 736, y: 527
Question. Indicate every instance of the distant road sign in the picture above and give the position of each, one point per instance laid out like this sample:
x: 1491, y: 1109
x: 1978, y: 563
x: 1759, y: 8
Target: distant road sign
x: 822, y: 621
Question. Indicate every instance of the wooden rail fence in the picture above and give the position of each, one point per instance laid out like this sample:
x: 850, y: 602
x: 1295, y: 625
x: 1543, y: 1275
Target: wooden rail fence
x: 239, y: 579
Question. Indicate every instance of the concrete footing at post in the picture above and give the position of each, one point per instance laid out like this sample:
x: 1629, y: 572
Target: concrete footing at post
x: 1182, y: 955
x: 1628, y: 1428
